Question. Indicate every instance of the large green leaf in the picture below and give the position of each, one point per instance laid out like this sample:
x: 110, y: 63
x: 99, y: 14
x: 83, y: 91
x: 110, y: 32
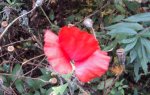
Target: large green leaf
x: 142, y: 17
x: 135, y: 26
x: 122, y: 31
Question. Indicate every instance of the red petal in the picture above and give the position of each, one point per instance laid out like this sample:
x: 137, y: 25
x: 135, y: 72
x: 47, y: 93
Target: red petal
x: 76, y: 43
x: 56, y: 57
x: 95, y: 66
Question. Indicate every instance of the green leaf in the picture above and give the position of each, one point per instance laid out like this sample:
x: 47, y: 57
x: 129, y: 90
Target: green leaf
x: 45, y: 77
x: 138, y: 50
x: 133, y: 6
x: 16, y: 69
x: 44, y: 71
x: 119, y: 88
x: 144, y: 61
x: 49, y: 91
x: 133, y: 55
x: 136, y: 71
x: 113, y: 91
x: 122, y: 91
x: 144, y: 65
x: 67, y: 76
x: 135, y: 26
x: 130, y: 40
x: 60, y: 89
x: 120, y: 37
x: 122, y: 31
x: 146, y: 43
x: 135, y: 91
x: 106, y: 83
x: 125, y: 86
x: 70, y: 18
x: 51, y: 15
x: 30, y: 82
x: 111, y: 46
x: 120, y: 8
x: 145, y: 32
x: 118, y: 18
x: 9, y: 1
x: 43, y: 91
x: 142, y: 17
x: 130, y: 46
x: 6, y: 67
x: 117, y: 84
x: 33, y: 83
x: 19, y: 86
x: 37, y: 93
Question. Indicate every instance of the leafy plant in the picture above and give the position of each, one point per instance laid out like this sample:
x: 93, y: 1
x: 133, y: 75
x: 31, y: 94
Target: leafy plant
x: 118, y: 89
x: 131, y: 35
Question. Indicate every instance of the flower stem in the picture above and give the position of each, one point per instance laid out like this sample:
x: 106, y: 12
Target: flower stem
x: 93, y: 32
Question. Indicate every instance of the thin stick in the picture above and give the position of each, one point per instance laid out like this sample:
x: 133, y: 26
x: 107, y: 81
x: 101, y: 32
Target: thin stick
x: 14, y: 22
x: 93, y: 32
x: 15, y: 43
x: 32, y: 59
x: 46, y: 16
x: 35, y: 66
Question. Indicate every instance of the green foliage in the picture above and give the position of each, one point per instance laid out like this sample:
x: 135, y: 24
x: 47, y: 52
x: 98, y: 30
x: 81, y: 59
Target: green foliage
x: 115, y: 26
x: 105, y: 84
x: 134, y: 39
x: 142, y: 17
x: 118, y: 89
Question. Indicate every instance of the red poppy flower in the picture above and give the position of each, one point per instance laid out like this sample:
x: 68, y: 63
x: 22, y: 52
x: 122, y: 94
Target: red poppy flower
x: 79, y: 47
